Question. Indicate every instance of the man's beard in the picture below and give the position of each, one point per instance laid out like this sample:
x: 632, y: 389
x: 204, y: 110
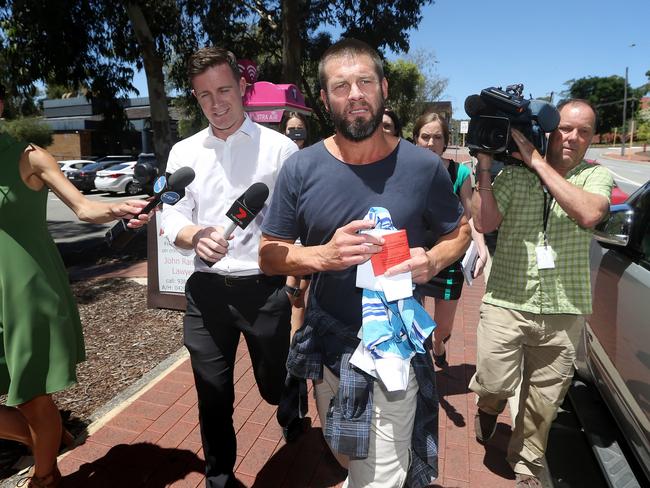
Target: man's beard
x: 358, y: 129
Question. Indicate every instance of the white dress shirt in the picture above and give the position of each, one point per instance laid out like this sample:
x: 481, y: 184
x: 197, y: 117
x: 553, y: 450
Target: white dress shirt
x: 224, y: 170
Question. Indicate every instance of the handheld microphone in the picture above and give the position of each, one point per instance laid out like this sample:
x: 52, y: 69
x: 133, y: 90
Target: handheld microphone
x: 244, y: 210
x: 166, y: 190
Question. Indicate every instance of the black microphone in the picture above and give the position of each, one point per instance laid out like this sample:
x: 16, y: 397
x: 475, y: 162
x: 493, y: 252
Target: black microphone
x: 176, y: 183
x: 474, y: 105
x: 244, y: 210
x: 166, y: 190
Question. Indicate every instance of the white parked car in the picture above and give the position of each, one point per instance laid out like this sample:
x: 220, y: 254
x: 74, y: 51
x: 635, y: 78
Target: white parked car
x: 117, y: 179
x: 73, y: 164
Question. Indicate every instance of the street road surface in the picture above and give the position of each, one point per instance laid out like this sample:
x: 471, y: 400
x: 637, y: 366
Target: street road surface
x: 629, y: 175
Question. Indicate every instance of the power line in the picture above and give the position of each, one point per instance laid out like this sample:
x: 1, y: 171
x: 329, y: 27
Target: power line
x: 616, y: 102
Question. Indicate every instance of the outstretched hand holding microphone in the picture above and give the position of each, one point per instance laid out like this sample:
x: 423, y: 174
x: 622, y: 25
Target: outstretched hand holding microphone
x: 166, y: 190
x: 211, y: 243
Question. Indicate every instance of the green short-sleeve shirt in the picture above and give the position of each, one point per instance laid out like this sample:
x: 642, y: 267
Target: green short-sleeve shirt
x: 515, y: 281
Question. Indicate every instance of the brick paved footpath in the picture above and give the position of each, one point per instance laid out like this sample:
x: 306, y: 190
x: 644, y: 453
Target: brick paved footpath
x: 154, y: 441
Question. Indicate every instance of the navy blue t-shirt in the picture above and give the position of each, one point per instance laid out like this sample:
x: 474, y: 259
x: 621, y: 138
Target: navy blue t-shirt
x: 316, y: 193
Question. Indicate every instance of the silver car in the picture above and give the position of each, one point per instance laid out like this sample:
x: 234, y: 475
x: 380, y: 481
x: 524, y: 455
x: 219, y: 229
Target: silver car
x: 73, y: 164
x: 617, y: 336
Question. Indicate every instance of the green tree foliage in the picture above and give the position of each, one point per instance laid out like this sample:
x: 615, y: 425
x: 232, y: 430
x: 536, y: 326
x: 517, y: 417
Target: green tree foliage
x: 405, y: 84
x: 28, y: 129
x: 52, y: 91
x: 254, y: 30
x: 23, y: 104
x: 643, y: 116
x: 643, y: 133
x: 17, y: 103
x: 606, y: 93
x: 434, y: 84
x: 91, y: 44
x: 412, y: 84
x: 67, y: 42
x: 97, y: 44
x: 643, y: 125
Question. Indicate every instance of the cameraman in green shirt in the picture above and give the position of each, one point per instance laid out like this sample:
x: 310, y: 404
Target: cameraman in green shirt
x: 539, y: 287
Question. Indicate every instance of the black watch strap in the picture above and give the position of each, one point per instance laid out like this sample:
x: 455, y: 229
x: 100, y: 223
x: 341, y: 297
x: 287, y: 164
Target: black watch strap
x: 293, y: 291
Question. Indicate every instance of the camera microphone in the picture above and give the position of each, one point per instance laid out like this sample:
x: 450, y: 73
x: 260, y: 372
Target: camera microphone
x: 474, y: 105
x: 546, y: 114
x: 244, y: 210
x: 166, y: 190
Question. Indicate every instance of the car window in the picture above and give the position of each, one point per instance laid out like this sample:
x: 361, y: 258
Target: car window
x: 115, y: 159
x: 645, y: 234
x: 117, y: 167
x: 94, y: 166
x: 147, y: 158
x: 645, y: 246
x: 640, y: 237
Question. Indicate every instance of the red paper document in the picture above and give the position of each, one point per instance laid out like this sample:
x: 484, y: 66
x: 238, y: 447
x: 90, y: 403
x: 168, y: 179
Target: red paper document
x: 395, y: 250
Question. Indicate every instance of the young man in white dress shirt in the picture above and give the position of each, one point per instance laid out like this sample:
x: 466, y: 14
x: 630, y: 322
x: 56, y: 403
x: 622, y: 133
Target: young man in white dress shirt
x: 232, y: 296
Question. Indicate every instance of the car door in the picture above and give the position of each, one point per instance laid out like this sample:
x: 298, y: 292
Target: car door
x: 620, y: 326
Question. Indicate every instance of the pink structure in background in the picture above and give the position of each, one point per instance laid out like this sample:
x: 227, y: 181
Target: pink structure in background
x: 265, y: 102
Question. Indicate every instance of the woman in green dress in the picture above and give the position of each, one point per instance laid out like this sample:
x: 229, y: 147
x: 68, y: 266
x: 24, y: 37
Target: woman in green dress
x: 40, y: 333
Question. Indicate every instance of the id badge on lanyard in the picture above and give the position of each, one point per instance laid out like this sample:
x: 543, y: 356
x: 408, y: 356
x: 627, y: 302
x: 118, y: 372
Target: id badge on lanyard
x: 545, y: 252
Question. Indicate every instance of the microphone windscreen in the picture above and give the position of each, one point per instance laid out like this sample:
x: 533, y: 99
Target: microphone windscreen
x: 180, y: 178
x: 474, y: 105
x: 255, y: 196
x: 546, y: 114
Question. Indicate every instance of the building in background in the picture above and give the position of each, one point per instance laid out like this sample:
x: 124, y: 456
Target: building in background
x: 79, y: 131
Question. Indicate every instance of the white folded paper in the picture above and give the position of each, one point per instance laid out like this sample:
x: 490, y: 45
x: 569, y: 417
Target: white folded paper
x: 468, y: 264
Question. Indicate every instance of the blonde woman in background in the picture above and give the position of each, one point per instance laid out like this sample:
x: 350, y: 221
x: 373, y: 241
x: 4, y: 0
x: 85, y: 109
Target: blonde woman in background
x: 432, y: 132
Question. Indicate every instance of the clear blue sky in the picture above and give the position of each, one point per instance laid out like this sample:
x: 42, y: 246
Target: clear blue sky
x: 541, y: 44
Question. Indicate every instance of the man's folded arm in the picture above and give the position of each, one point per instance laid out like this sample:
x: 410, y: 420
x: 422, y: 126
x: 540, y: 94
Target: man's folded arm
x: 282, y: 257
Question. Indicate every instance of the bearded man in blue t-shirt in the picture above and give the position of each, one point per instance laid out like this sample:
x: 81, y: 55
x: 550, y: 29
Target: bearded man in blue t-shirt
x: 322, y: 195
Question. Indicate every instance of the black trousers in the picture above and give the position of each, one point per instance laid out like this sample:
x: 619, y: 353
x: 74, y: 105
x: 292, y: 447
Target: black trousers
x: 218, y: 310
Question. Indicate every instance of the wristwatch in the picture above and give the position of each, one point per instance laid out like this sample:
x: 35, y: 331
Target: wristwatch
x: 292, y: 290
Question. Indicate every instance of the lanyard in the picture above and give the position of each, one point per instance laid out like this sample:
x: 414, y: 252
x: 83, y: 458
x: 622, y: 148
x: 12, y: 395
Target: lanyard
x: 548, y: 203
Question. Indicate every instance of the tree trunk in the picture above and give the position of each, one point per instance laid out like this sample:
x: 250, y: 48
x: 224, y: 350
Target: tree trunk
x: 153, y: 67
x: 292, y: 17
x: 313, y: 103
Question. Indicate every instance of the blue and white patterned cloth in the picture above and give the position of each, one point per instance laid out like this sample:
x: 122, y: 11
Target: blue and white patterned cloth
x: 391, y: 332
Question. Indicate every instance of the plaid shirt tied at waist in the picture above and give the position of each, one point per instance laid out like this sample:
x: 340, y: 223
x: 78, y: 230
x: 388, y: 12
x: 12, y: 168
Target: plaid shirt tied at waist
x: 323, y: 341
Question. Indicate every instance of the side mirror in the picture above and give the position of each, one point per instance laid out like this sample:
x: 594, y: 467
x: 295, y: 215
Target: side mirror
x: 617, y: 227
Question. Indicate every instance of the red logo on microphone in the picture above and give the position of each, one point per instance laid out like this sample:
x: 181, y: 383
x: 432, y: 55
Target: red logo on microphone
x: 242, y: 214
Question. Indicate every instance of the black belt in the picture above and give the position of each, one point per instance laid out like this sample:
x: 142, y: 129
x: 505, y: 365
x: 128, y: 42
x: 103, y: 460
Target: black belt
x: 251, y: 280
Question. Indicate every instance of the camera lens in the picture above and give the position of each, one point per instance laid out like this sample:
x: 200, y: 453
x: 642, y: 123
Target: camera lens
x: 493, y: 134
x: 497, y: 137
